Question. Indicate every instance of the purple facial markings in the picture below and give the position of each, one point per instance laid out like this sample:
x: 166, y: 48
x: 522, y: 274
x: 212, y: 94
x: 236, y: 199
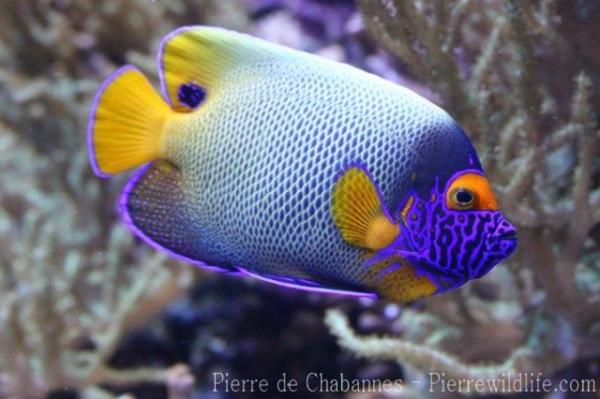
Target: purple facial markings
x: 454, y: 245
x: 465, y: 226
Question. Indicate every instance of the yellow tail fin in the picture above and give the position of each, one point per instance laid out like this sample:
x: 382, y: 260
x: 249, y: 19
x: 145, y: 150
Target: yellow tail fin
x: 127, y: 123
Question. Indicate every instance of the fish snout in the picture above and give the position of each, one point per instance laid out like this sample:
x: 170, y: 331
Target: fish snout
x: 504, y: 237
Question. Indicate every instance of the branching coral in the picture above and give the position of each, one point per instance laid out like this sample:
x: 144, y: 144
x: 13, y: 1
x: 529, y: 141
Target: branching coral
x: 489, y: 62
x: 421, y: 356
x: 52, y: 54
x: 65, y: 298
x: 73, y: 279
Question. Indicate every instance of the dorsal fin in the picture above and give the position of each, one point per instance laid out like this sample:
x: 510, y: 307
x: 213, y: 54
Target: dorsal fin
x: 207, y: 57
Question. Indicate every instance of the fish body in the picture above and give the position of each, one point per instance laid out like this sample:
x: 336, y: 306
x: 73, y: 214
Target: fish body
x: 294, y: 169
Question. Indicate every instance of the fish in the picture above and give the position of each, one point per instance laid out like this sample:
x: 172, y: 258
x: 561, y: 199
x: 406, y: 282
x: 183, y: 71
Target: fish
x: 264, y: 161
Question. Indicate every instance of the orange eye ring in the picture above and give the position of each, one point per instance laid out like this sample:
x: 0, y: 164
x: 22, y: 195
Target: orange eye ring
x: 463, y: 198
x: 475, y: 184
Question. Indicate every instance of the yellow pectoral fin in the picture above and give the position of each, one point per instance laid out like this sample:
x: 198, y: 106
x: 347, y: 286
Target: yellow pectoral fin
x: 381, y: 232
x: 358, y: 211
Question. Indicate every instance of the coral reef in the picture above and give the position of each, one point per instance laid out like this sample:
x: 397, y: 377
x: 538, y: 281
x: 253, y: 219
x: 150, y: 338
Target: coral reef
x: 523, y: 87
x: 67, y: 294
x: 421, y: 356
x: 74, y: 280
x: 79, y: 296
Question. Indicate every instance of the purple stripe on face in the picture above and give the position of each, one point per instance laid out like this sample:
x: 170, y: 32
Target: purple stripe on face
x: 92, y: 117
x: 453, y: 245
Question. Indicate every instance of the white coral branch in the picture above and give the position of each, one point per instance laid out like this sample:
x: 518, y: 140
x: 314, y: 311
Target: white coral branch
x: 422, y: 357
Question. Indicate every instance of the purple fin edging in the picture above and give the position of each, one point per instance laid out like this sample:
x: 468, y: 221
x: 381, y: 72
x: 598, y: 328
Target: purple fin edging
x: 92, y: 117
x: 128, y: 221
x: 321, y: 290
x: 159, y: 59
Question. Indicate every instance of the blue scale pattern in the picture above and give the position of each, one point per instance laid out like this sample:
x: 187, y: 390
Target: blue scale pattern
x: 259, y: 159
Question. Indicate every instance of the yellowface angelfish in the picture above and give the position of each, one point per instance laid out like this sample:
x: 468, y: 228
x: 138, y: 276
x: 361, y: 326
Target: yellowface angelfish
x: 297, y: 170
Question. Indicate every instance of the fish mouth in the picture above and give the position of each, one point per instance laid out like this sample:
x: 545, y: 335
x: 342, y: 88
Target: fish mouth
x: 504, y: 230
x: 509, y: 235
x: 503, y: 244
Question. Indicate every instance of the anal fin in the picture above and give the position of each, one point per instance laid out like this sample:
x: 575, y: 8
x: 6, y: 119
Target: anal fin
x: 154, y: 206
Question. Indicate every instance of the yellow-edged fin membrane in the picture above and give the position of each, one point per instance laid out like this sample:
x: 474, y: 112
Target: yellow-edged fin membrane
x: 126, y: 127
x: 154, y: 204
x: 359, y: 213
x: 207, y: 57
x: 397, y: 280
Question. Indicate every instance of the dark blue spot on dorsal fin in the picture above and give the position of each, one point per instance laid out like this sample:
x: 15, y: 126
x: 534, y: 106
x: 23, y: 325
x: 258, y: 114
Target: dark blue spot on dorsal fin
x: 191, y: 95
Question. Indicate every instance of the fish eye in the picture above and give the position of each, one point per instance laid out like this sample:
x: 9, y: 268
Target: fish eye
x: 463, y: 198
x: 470, y: 191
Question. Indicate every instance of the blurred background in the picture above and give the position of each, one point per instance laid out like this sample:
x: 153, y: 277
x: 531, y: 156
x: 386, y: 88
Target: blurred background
x: 88, y: 311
